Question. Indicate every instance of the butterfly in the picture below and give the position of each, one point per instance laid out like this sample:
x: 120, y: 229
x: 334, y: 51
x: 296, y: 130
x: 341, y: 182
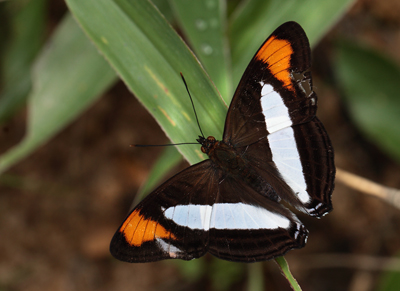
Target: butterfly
x: 273, y: 149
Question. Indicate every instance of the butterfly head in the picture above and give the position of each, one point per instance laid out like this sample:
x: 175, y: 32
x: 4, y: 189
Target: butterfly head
x: 207, y: 144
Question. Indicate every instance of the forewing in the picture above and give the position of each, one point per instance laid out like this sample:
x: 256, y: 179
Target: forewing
x: 271, y: 120
x: 275, y: 90
x: 169, y: 223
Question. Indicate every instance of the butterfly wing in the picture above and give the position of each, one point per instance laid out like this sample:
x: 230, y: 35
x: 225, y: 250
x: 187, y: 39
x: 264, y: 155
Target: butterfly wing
x: 169, y: 222
x: 298, y: 163
x: 202, y: 209
x: 247, y: 227
x: 271, y: 120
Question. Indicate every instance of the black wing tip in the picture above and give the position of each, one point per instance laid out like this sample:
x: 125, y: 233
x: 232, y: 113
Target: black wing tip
x: 122, y: 251
x: 118, y: 249
x: 290, y: 23
x: 290, y: 26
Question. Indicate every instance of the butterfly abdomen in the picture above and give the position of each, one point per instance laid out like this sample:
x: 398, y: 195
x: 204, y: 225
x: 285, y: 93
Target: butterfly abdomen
x: 235, y: 165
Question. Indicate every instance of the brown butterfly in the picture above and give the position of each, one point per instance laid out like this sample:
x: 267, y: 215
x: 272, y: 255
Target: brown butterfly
x: 273, y: 148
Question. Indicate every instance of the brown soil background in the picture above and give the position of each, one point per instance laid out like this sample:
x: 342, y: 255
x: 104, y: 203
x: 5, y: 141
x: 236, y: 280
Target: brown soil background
x: 60, y: 207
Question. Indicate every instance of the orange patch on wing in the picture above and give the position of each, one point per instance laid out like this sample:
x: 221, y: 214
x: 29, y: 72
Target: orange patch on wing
x: 277, y: 54
x: 138, y: 230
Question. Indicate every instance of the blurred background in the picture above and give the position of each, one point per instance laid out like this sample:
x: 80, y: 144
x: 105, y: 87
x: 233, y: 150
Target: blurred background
x: 62, y: 202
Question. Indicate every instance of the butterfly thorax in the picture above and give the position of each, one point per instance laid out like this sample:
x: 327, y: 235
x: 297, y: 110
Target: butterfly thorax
x: 223, y: 155
x: 226, y: 158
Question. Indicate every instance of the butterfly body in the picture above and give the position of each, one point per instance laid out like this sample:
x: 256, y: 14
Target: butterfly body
x: 232, y: 163
x: 222, y: 155
x: 273, y: 148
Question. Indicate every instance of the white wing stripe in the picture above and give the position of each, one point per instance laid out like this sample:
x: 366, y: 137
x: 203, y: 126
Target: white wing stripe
x: 282, y: 142
x: 287, y: 159
x: 226, y: 216
x: 275, y: 112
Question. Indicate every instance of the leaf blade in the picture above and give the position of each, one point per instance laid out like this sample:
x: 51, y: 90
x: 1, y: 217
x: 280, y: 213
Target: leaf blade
x: 63, y: 86
x: 149, y: 56
x: 204, y: 24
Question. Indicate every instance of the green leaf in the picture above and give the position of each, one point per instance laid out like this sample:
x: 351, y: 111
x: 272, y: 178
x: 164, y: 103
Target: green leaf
x: 149, y: 56
x: 390, y: 280
x: 27, y: 25
x: 255, y: 20
x: 281, y: 261
x: 204, y: 25
x: 67, y: 78
x: 371, y: 86
x: 165, y: 9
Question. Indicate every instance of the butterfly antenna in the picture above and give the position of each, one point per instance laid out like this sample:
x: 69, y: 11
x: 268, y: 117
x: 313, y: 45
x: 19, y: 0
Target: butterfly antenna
x: 175, y: 144
x: 194, y: 109
x: 160, y: 145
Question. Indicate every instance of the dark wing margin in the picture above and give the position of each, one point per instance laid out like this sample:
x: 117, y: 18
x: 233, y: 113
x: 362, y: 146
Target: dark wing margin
x: 150, y: 232
x: 317, y: 159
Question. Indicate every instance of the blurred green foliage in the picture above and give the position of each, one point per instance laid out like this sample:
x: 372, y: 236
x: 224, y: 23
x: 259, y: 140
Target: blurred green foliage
x: 371, y: 85
x: 390, y: 281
